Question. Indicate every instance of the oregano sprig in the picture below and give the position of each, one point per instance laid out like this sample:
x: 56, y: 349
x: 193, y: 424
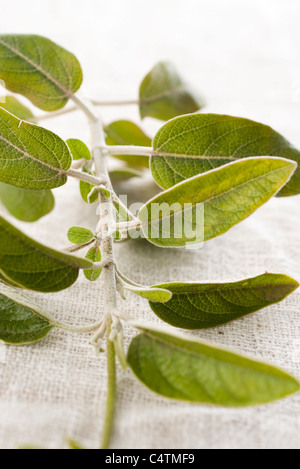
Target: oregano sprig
x: 214, y: 171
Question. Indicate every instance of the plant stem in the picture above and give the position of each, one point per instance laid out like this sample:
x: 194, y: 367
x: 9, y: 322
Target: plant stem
x: 128, y: 150
x: 77, y: 329
x: 84, y: 177
x: 111, y: 393
x: 70, y: 327
x: 70, y: 109
x: 128, y: 102
x: 105, y: 226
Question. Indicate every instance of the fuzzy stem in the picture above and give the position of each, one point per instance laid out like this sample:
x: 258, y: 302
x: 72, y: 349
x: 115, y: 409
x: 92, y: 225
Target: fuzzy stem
x: 79, y: 247
x: 128, y: 225
x: 85, y: 177
x: 111, y: 393
x: 106, y: 223
x: 128, y: 150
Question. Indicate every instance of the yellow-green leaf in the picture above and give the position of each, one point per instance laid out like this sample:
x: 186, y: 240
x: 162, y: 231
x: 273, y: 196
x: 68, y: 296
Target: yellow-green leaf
x: 78, y: 149
x: 208, y: 205
x: 21, y: 320
x: 94, y: 255
x: 31, y: 157
x: 26, y: 205
x: 124, y: 132
x: 15, y: 107
x: 39, y: 69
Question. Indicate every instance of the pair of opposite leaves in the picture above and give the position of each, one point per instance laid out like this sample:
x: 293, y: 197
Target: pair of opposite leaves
x: 28, y: 264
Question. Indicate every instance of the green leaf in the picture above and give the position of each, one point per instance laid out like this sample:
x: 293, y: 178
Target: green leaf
x: 153, y: 294
x: 21, y: 321
x: 78, y: 149
x: 26, y: 205
x: 124, y: 174
x: 78, y: 235
x: 208, y: 205
x: 16, y: 108
x: 86, y: 188
x: 164, y: 95
x: 23, y: 204
x: 39, y: 69
x: 199, y: 306
x: 178, y: 368
x: 194, y: 144
x: 31, y: 157
x: 93, y: 255
x: 29, y: 264
x: 95, y: 190
x: 124, y: 132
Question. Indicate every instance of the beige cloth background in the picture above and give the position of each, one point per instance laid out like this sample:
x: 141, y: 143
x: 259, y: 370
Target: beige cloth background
x: 244, y: 57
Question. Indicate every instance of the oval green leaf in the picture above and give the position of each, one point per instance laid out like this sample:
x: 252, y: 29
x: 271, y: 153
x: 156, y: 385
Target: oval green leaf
x: 39, y: 69
x: 15, y: 107
x: 78, y: 149
x: 203, y: 305
x: 78, y: 235
x: 164, y: 95
x: 208, y: 205
x: 178, y: 368
x: 191, y: 145
x: 26, y: 205
x: 23, y: 204
x: 28, y: 264
x: 86, y: 188
x: 94, y: 255
x: 31, y: 157
x: 125, y: 132
x: 21, y: 321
